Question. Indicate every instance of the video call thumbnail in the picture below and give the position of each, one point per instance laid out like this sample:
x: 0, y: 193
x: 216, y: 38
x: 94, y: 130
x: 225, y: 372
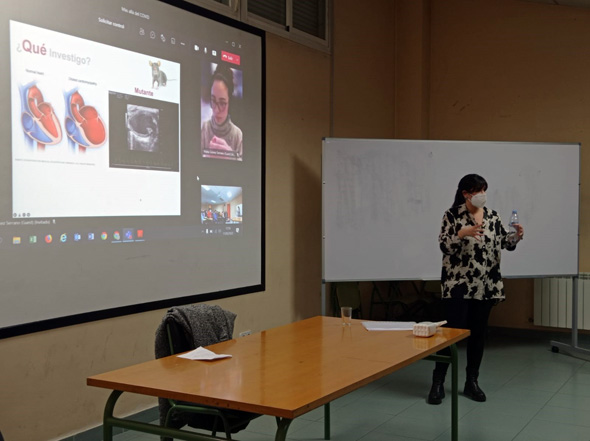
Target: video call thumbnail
x: 221, y: 209
x: 221, y: 96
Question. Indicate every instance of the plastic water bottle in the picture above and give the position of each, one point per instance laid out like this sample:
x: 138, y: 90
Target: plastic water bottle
x: 513, y: 220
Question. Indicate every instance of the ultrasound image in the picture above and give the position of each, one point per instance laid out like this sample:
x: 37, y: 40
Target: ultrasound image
x: 142, y: 128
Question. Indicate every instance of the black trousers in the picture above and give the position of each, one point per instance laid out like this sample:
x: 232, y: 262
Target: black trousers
x: 472, y: 315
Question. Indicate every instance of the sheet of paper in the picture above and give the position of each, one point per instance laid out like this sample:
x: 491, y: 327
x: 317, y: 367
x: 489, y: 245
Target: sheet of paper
x: 203, y: 354
x: 389, y: 326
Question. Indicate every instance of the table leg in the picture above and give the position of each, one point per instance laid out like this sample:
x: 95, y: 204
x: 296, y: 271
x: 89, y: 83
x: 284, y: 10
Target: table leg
x: 110, y: 421
x: 454, y: 394
x: 327, y: 421
x: 107, y: 428
x: 282, y: 427
x: 454, y: 361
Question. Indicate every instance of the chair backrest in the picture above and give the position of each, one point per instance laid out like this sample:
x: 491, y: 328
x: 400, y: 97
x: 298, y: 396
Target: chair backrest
x: 187, y: 327
x: 432, y: 286
x: 176, y: 339
x: 348, y: 294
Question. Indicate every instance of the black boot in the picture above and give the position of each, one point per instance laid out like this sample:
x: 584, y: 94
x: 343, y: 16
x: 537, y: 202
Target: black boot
x: 437, y: 391
x: 472, y: 389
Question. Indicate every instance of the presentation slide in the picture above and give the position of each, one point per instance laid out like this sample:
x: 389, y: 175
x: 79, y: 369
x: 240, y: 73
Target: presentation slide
x: 132, y: 140
x: 64, y: 106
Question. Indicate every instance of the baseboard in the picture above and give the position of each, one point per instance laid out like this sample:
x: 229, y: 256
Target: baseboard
x: 95, y: 434
x: 544, y: 334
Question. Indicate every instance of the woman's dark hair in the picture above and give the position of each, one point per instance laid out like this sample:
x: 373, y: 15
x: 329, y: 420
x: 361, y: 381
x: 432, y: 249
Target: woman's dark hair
x: 471, y: 184
x: 224, y: 73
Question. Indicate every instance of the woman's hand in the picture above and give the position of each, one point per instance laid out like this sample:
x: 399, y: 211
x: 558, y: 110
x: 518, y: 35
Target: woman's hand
x: 519, y: 232
x: 219, y: 144
x: 475, y: 231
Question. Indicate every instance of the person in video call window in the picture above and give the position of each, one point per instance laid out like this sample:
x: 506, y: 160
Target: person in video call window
x: 220, y: 137
x: 471, y: 239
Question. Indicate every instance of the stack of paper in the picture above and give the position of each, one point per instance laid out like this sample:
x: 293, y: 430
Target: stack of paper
x: 203, y: 354
x: 389, y: 326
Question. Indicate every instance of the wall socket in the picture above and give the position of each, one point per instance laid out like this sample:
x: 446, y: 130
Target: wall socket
x: 245, y: 333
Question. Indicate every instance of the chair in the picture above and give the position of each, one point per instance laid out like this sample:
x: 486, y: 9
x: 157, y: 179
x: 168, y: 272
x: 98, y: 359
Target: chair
x: 183, y: 329
x: 347, y: 294
x: 394, y: 308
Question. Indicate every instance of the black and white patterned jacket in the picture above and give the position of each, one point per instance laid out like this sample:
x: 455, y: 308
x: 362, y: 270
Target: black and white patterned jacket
x: 471, y: 267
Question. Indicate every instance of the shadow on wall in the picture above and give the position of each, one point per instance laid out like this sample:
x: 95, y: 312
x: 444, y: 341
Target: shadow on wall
x: 307, y: 237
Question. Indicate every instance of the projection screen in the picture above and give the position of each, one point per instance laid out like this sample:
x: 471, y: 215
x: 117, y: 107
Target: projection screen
x: 132, y: 159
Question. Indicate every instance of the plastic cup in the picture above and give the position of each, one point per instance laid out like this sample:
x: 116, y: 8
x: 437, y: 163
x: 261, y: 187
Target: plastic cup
x: 346, y: 313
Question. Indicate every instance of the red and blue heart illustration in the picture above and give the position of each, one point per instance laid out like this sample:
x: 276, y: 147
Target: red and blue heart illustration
x: 39, y: 121
x: 83, y: 124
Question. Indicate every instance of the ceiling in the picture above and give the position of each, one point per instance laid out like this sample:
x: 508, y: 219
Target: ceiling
x: 216, y: 194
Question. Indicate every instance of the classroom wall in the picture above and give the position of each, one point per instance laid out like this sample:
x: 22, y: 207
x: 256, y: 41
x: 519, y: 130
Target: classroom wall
x: 512, y: 70
x: 515, y: 71
x: 452, y: 69
x: 363, y: 80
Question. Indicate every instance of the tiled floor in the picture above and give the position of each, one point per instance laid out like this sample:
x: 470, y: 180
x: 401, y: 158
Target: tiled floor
x: 533, y: 395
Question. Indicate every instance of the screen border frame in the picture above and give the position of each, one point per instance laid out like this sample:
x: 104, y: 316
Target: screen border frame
x: 91, y: 316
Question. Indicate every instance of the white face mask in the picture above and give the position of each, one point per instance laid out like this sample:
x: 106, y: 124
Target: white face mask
x: 478, y: 200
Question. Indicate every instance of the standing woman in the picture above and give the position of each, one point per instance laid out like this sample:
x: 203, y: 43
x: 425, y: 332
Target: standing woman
x: 471, y: 239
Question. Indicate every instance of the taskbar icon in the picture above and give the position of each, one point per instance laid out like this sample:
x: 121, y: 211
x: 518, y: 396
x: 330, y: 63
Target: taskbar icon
x: 108, y: 236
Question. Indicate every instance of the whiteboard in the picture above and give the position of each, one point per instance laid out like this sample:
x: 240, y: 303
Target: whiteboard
x: 383, y: 203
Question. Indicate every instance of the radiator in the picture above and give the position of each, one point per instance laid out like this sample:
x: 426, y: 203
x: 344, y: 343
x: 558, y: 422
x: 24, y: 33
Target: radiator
x: 553, y: 302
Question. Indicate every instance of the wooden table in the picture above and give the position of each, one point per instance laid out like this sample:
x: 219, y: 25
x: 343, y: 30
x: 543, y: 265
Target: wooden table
x: 284, y: 372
